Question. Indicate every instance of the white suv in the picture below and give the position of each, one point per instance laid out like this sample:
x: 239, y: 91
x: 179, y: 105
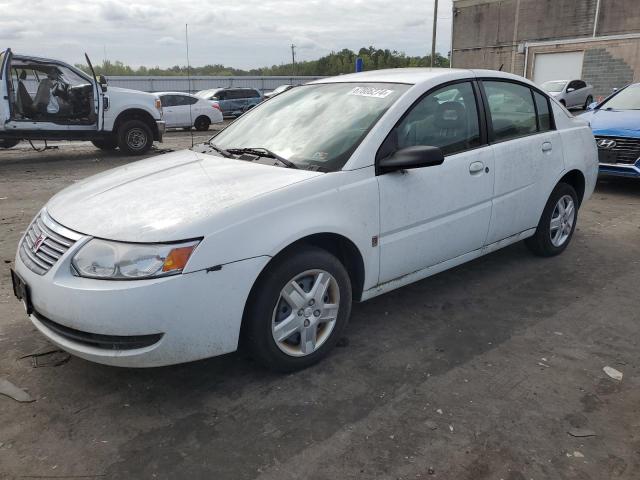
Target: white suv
x: 44, y: 99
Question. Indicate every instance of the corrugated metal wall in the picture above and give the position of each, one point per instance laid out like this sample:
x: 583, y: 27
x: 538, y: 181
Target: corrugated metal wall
x: 181, y: 84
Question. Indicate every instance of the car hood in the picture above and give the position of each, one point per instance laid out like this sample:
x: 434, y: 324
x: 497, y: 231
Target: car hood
x: 128, y: 91
x: 165, y: 198
x: 625, y: 123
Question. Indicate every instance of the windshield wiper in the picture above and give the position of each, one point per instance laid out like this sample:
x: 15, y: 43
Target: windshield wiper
x: 263, y: 152
x: 221, y: 151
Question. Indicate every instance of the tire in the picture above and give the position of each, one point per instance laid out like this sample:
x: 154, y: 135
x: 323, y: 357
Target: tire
x: 202, y: 123
x: 134, y: 137
x: 9, y: 142
x: 267, y: 310
x: 549, y: 240
x: 588, y: 102
x: 105, y: 144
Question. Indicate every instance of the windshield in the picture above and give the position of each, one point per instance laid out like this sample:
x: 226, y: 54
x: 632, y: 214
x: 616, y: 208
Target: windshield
x: 555, y: 86
x: 626, y: 99
x: 314, y: 126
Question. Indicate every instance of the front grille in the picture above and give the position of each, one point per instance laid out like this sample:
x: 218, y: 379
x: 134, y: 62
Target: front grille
x: 107, y: 342
x: 45, y: 241
x: 626, y: 150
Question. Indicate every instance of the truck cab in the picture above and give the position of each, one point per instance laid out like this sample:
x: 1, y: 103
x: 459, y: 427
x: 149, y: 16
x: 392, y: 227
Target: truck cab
x: 45, y: 99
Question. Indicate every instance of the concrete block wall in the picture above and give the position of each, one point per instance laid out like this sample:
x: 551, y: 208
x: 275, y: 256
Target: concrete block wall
x: 607, y: 64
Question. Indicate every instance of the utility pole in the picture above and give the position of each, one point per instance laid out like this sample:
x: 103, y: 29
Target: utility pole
x: 293, y: 59
x: 435, y: 26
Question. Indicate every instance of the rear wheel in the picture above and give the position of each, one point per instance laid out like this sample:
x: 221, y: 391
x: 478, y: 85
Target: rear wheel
x: 9, y: 142
x: 588, y: 102
x: 202, y: 123
x: 105, y: 143
x: 557, y: 223
x: 297, y: 310
x: 134, y: 137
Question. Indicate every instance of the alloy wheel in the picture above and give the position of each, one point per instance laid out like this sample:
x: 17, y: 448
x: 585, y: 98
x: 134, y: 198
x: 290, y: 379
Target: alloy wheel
x: 306, y: 313
x: 562, y: 220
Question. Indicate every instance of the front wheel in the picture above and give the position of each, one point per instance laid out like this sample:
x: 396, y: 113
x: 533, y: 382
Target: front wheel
x: 557, y: 223
x: 134, y: 137
x: 297, y: 310
x: 8, y: 142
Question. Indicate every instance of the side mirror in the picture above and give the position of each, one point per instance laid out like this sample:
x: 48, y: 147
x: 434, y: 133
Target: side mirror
x: 571, y: 89
x: 411, y: 157
x: 592, y: 106
x: 103, y: 82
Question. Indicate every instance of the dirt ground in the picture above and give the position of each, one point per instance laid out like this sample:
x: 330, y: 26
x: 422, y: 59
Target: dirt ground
x: 481, y: 372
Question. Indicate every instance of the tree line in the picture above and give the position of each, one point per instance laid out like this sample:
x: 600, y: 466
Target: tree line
x: 335, y: 63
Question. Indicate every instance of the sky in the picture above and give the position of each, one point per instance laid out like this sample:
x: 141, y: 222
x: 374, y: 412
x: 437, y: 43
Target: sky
x: 241, y: 33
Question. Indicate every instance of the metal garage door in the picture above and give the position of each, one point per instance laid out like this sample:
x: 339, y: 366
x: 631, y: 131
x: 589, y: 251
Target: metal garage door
x: 557, y: 66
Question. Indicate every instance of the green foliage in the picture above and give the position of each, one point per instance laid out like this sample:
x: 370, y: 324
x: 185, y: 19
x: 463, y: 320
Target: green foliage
x: 333, y: 64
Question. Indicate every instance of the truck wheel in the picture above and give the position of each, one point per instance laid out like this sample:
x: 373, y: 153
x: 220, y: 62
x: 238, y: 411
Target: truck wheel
x: 134, y: 137
x: 8, y: 142
x: 105, y: 143
x: 202, y: 124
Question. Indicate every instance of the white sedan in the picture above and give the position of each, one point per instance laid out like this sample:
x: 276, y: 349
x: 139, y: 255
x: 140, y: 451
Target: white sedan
x: 333, y: 192
x: 182, y: 110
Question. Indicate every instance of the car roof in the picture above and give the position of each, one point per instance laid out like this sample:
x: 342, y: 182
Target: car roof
x: 175, y: 93
x: 416, y: 76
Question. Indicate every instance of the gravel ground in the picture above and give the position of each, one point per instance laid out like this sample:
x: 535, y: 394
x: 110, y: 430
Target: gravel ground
x: 481, y: 372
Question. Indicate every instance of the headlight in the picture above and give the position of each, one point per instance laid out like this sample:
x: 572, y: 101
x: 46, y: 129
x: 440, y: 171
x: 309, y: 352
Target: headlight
x: 126, y: 261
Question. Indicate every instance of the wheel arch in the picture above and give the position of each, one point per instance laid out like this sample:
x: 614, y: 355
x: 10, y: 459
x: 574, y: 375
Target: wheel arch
x: 577, y: 180
x: 137, y: 114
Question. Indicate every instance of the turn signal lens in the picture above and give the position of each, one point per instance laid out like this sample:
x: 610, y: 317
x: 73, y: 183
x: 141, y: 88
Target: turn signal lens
x: 177, y: 258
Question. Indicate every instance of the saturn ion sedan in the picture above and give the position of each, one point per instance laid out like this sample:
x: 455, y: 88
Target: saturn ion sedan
x: 330, y: 193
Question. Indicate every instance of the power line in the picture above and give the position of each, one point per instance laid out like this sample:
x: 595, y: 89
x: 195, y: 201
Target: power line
x: 293, y: 60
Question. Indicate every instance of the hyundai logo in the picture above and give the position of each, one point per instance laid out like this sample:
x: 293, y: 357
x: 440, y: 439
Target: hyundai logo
x: 606, y: 143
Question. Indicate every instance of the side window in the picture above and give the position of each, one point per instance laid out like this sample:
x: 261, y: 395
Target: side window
x: 233, y: 94
x: 167, y: 101
x: 190, y: 100
x: 446, y: 118
x: 255, y: 94
x: 544, y: 114
x: 580, y: 84
x: 511, y: 107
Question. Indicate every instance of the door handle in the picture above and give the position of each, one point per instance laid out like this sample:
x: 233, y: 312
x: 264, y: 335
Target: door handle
x: 547, y: 147
x: 476, y: 167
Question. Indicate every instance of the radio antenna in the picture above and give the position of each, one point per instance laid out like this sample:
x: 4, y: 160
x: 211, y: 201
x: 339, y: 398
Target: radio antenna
x: 186, y: 36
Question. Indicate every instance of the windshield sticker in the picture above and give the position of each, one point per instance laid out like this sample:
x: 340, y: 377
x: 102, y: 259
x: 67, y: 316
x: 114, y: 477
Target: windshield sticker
x: 371, y: 92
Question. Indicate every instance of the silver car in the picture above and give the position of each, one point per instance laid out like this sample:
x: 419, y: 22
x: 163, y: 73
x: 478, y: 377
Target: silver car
x: 570, y: 93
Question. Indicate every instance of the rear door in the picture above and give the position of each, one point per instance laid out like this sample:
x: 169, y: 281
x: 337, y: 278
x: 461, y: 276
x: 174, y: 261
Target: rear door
x: 528, y: 155
x: 5, y: 91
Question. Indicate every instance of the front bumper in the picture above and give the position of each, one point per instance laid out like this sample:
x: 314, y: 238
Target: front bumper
x: 174, y: 319
x: 162, y: 128
x: 620, y: 170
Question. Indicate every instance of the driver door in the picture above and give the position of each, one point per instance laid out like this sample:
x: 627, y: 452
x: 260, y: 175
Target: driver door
x: 5, y: 90
x: 433, y: 214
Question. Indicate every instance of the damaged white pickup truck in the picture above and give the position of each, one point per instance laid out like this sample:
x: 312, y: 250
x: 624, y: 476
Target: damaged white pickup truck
x: 44, y: 99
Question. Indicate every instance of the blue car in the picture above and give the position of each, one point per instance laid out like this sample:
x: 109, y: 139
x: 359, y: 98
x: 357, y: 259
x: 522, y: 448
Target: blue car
x: 616, y: 125
x: 233, y: 102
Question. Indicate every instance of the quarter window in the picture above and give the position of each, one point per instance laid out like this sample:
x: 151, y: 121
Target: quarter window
x: 512, y: 111
x: 446, y: 118
x: 544, y: 115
